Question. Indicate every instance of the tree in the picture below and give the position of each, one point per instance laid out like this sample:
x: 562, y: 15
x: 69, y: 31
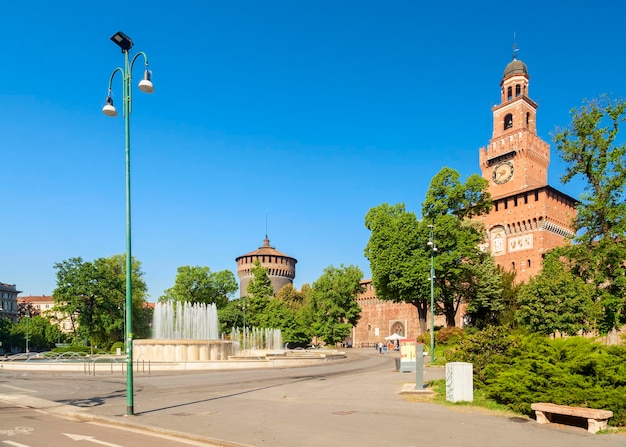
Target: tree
x: 42, y: 335
x: 292, y: 298
x: 459, y: 275
x: 556, y: 300
x: 93, y: 295
x: 447, y: 195
x: 487, y: 303
x: 333, y: 303
x: 142, y: 313
x: 260, y: 286
x: 200, y: 285
x: 591, y: 148
x: 278, y: 315
x: 449, y: 205
x: 398, y: 256
x: 399, y: 253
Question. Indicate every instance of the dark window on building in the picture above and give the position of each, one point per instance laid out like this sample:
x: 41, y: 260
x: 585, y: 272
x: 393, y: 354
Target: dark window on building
x: 527, y: 118
x: 518, y: 90
x: 508, y: 121
x: 509, y: 93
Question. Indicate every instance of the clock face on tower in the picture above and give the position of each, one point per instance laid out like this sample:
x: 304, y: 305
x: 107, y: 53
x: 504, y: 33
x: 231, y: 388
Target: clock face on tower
x: 503, y: 172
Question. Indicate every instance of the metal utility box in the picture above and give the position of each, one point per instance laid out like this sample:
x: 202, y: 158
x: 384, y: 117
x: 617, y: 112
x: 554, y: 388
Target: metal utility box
x: 459, y: 382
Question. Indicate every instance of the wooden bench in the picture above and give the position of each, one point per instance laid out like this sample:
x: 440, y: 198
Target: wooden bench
x: 596, y: 419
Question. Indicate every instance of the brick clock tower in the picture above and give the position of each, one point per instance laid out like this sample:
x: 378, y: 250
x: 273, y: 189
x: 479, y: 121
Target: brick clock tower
x: 529, y: 217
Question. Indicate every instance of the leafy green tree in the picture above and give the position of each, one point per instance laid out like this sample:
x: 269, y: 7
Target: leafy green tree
x: 200, y: 285
x: 93, y: 295
x: 231, y: 315
x: 400, y: 254
x: 399, y: 257
x: 487, y: 303
x: 42, y: 335
x: 260, y: 286
x: 449, y: 205
x: 278, y: 315
x: 333, y: 303
x: 448, y: 195
x: 510, y: 291
x: 556, y: 300
x: 142, y: 313
x: 459, y: 275
x: 593, y: 153
x: 293, y: 298
x: 11, y: 336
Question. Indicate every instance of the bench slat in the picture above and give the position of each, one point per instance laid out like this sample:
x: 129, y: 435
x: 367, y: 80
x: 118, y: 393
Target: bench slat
x: 589, y: 413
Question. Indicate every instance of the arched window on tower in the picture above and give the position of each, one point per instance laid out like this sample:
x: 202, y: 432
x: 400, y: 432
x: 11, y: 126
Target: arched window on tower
x: 508, y: 121
x: 509, y: 93
x: 518, y: 90
x: 527, y: 118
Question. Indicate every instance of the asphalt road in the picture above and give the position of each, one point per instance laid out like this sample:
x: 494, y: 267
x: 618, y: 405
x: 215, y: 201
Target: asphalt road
x: 352, y: 402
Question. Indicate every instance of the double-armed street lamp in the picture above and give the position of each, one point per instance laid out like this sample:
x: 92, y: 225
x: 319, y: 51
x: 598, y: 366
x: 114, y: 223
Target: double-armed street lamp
x: 145, y: 85
x: 433, y: 249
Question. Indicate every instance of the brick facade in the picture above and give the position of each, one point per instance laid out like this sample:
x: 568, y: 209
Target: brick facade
x: 528, y: 219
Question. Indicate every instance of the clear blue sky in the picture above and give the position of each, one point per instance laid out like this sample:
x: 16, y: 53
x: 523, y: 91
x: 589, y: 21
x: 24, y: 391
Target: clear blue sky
x: 307, y: 112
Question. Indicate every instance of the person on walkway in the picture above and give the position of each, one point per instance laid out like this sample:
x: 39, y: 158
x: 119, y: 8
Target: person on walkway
x: 380, y: 347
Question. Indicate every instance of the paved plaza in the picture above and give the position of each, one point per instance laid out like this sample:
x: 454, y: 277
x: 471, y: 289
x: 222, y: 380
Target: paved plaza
x: 354, y: 402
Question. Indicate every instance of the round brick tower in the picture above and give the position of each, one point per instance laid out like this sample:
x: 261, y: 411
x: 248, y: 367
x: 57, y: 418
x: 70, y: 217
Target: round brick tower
x: 281, y: 268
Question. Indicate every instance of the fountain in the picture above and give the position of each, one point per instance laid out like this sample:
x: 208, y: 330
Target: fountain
x: 253, y: 342
x: 184, y: 332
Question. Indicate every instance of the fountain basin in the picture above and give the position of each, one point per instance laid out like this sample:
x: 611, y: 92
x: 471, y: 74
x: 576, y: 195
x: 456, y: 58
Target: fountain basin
x: 183, y: 350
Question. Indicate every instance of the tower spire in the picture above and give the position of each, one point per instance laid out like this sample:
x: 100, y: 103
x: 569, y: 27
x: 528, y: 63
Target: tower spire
x: 515, y: 49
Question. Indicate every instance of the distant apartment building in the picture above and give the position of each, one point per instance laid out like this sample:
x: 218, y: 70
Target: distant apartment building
x: 45, y: 306
x: 8, y: 299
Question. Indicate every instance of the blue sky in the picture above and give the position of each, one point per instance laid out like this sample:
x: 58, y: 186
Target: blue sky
x: 304, y: 113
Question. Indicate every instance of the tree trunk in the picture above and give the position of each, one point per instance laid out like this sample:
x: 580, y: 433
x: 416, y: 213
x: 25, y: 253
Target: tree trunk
x: 422, y: 313
x: 450, y: 313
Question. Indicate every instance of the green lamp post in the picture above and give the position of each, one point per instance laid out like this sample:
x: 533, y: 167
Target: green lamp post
x: 433, y: 249
x: 145, y: 85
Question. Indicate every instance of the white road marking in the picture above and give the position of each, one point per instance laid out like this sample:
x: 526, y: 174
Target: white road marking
x: 90, y: 439
x: 15, y: 444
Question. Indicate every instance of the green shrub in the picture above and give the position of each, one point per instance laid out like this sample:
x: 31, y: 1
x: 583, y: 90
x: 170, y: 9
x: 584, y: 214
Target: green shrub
x: 489, y: 350
x: 114, y: 346
x: 449, y: 335
x: 424, y: 338
x: 517, y: 370
x: 574, y: 371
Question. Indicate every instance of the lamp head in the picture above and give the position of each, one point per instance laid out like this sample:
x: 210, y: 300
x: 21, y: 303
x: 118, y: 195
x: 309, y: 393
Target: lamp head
x: 109, y: 109
x: 145, y: 85
x: 122, y: 41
